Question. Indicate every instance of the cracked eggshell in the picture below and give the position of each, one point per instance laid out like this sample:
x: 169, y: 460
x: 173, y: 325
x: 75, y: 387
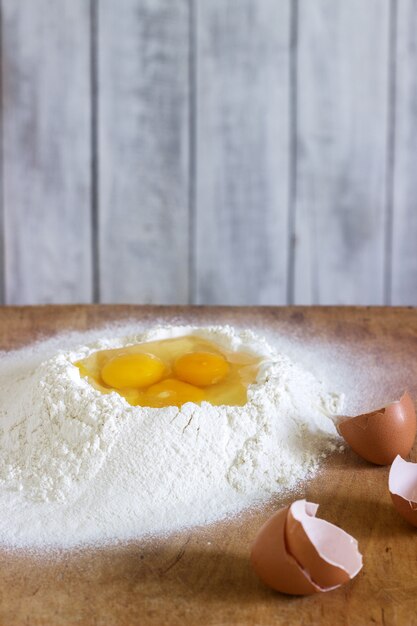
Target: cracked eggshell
x: 379, y: 436
x: 402, y: 484
x: 273, y: 564
x: 299, y: 554
x: 325, y: 551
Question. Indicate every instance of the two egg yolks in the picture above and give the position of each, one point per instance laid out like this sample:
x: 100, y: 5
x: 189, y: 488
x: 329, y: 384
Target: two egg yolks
x: 172, y: 372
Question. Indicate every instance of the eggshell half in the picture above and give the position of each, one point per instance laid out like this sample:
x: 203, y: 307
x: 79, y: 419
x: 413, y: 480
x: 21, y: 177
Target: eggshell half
x: 380, y: 435
x: 299, y: 554
x: 273, y: 564
x: 402, y: 484
x: 326, y: 552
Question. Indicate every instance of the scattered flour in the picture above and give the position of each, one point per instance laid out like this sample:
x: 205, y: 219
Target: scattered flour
x: 79, y: 467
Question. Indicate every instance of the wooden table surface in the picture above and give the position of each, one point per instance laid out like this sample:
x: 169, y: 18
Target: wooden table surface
x: 202, y: 576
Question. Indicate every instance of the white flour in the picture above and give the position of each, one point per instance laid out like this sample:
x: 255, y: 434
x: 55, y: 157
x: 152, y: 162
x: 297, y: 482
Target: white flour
x: 78, y: 467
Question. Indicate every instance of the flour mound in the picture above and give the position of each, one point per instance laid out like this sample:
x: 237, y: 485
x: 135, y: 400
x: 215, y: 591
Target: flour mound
x: 57, y: 436
x: 83, y: 467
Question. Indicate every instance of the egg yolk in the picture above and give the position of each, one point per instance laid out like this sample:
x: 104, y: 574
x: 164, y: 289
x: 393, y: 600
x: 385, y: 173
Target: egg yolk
x: 172, y: 371
x: 201, y: 368
x: 132, y: 370
x: 171, y: 392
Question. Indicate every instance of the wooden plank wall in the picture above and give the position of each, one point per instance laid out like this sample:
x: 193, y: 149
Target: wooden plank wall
x: 242, y: 151
x: 342, y: 97
x: 46, y: 151
x: 404, y: 158
x: 208, y: 151
x: 143, y: 150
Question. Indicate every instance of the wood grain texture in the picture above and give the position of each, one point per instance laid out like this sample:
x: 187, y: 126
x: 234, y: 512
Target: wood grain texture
x: 143, y: 142
x: 404, y: 234
x: 242, y: 151
x: 46, y: 150
x: 342, y: 93
x: 202, y: 576
x: 187, y: 194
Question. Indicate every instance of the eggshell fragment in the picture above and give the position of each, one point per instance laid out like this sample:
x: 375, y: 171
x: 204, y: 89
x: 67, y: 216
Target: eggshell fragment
x: 380, y: 435
x: 273, y: 564
x: 326, y: 552
x: 402, y: 484
x: 299, y: 554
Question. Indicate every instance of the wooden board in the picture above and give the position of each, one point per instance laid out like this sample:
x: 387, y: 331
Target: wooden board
x: 202, y: 576
x: 45, y: 107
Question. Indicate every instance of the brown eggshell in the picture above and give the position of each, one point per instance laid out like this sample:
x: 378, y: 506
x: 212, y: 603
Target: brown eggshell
x: 326, y: 552
x: 273, y: 564
x: 402, y: 485
x: 296, y: 553
x: 382, y: 434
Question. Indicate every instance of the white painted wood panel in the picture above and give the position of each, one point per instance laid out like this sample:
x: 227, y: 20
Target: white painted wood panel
x: 143, y: 140
x: 194, y: 159
x: 404, y: 235
x: 45, y: 65
x: 242, y: 151
x: 342, y: 93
